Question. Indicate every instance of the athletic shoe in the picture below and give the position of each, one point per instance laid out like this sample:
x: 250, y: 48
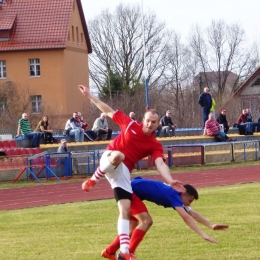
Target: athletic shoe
x: 105, y: 254
x: 88, y: 184
x: 122, y: 256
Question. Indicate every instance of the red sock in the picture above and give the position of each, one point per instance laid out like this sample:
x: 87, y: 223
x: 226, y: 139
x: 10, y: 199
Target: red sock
x: 136, y: 237
x: 114, y: 246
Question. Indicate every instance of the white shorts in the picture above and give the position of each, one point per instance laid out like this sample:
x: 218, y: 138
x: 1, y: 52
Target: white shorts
x: 119, y: 177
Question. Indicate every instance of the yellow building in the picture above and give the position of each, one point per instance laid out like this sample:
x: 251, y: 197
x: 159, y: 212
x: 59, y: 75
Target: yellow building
x: 44, y: 47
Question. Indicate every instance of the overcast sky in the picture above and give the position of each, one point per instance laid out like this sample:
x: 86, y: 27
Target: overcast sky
x: 182, y: 14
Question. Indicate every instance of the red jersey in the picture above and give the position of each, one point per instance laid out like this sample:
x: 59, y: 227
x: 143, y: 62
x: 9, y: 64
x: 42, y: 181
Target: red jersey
x: 132, y: 141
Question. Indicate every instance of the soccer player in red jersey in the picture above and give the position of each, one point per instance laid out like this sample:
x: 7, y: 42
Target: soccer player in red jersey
x: 135, y: 142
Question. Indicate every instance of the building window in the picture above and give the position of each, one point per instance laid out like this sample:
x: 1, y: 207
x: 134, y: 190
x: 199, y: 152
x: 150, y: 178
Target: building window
x: 73, y: 38
x: 34, y: 67
x: 36, y: 104
x: 2, y: 69
x: 81, y: 35
x: 74, y: 9
x: 77, y: 34
x: 256, y: 83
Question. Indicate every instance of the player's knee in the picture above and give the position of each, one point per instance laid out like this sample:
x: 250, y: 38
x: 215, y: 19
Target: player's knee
x: 116, y: 157
x: 149, y: 222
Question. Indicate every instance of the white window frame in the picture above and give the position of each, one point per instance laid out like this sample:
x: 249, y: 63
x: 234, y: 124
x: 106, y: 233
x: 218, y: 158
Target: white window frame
x: 36, y: 102
x: 34, y: 68
x: 2, y: 69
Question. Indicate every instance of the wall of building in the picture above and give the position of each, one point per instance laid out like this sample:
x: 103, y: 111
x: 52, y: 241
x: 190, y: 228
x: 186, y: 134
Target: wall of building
x: 76, y: 69
x: 248, y: 90
x: 61, y: 71
x: 49, y: 81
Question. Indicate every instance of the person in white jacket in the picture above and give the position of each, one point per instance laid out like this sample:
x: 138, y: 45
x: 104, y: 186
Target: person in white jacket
x: 100, y: 127
x: 74, y: 128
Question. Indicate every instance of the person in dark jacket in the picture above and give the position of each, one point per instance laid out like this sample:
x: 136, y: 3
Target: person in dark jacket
x: 166, y: 124
x: 205, y: 102
x: 250, y: 119
x: 222, y: 119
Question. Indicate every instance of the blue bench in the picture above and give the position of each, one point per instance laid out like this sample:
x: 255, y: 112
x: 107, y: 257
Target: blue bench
x: 23, y: 141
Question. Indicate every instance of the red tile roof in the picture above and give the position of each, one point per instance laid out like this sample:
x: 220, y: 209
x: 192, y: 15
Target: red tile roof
x: 40, y: 24
x: 6, y: 22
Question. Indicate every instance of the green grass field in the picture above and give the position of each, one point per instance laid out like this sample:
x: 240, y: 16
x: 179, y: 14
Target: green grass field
x: 81, y: 230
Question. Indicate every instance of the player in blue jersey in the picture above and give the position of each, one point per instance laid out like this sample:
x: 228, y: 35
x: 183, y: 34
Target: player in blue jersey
x: 163, y: 195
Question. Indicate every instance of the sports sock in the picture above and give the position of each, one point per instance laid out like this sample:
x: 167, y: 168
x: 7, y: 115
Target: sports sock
x: 98, y: 174
x: 106, y: 166
x: 114, y: 246
x: 136, y: 237
x: 123, y: 233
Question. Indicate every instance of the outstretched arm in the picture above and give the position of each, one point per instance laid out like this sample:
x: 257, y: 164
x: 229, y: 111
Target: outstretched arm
x: 165, y: 172
x: 199, y: 218
x: 191, y: 223
x: 18, y: 130
x: 99, y: 104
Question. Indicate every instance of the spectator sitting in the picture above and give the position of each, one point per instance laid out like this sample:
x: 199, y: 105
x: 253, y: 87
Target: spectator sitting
x: 132, y: 115
x: 63, y: 148
x: 24, y: 129
x: 242, y: 120
x: 250, y: 119
x: 100, y: 127
x: 166, y: 124
x: 258, y: 128
x: 89, y: 134
x: 222, y: 119
x: 43, y: 127
x: 212, y: 128
x: 75, y: 128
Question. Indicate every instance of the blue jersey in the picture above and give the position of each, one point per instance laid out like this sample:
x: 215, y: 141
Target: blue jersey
x: 156, y: 192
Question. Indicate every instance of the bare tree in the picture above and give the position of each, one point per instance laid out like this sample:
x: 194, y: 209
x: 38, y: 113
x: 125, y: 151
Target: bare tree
x: 12, y: 102
x: 176, y: 78
x: 117, y: 41
x: 222, y: 50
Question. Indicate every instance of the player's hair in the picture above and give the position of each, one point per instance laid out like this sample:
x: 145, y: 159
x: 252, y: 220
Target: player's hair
x: 191, y: 191
x: 153, y: 111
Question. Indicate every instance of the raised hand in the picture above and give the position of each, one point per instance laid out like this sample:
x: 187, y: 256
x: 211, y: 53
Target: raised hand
x: 84, y: 90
